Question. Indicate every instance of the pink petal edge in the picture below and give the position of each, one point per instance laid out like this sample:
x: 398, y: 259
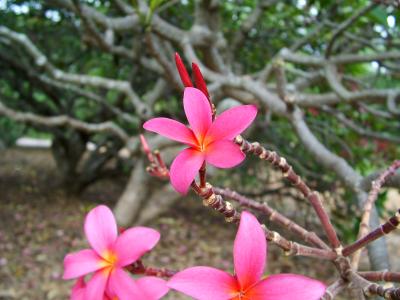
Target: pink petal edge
x: 80, y: 263
x: 204, y: 283
x: 198, y: 111
x: 231, y: 123
x: 122, y: 286
x: 224, y: 154
x: 171, y: 129
x: 249, y: 251
x: 78, y: 290
x: 184, y: 169
x: 154, y: 288
x: 96, y: 286
x: 287, y: 286
x: 133, y: 243
x: 101, y: 229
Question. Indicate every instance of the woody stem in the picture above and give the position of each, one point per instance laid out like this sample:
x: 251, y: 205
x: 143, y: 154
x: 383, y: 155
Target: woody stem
x: 274, y: 216
x: 202, y: 175
x: 216, y: 202
x: 139, y: 268
x: 313, y: 197
x: 392, y: 224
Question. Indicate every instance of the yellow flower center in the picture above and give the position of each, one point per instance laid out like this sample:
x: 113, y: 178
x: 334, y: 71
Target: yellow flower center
x: 110, y: 259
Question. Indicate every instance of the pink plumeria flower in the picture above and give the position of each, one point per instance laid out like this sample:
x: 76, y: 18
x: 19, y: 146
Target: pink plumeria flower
x: 210, y: 141
x: 204, y: 283
x: 109, y: 255
x: 78, y: 290
x: 145, y: 284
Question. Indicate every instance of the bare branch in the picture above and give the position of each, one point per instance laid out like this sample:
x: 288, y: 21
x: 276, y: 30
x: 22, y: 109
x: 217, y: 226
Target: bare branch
x: 274, y: 216
x: 346, y: 24
x: 359, y: 129
x: 57, y: 121
x: 42, y: 61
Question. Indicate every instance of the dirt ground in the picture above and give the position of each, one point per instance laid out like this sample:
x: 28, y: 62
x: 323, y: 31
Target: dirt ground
x: 40, y: 224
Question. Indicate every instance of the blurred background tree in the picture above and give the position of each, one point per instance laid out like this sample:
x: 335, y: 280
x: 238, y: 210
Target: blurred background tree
x: 324, y: 75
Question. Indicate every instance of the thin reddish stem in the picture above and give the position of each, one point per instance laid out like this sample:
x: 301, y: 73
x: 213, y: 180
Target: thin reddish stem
x: 146, y: 148
x: 287, y: 170
x: 369, y: 204
x: 138, y: 268
x: 202, y: 175
x: 389, y: 226
x: 274, y: 216
x: 381, y: 276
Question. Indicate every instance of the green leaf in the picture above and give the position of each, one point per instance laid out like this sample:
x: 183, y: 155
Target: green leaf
x: 379, y: 15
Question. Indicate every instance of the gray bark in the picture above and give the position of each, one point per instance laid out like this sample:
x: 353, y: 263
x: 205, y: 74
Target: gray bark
x: 136, y: 191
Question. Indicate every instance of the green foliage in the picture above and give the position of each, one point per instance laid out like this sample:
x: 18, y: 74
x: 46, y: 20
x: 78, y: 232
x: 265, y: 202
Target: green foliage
x: 10, y: 131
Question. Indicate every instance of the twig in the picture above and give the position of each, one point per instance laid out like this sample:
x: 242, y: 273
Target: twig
x: 334, y: 289
x: 63, y: 120
x: 157, y: 166
x: 387, y: 293
x: 372, y: 196
x: 342, y: 27
x: 138, y: 268
x: 232, y: 215
x: 382, y: 230
x: 274, y: 216
x: 381, y: 276
x: 359, y: 129
x: 312, y: 196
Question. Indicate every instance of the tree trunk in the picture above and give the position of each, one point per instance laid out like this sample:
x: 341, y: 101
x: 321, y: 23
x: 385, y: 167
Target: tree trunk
x: 159, y: 202
x: 131, y: 200
x: 67, y: 149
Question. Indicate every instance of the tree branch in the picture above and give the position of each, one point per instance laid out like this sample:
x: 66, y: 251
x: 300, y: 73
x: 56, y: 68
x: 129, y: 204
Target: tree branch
x: 57, y: 121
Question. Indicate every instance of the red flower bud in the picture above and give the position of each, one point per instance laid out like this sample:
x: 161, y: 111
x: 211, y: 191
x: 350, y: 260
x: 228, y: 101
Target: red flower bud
x: 183, y: 73
x: 199, y: 80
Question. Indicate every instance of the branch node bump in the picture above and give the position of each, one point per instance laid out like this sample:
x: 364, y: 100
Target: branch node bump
x: 339, y: 250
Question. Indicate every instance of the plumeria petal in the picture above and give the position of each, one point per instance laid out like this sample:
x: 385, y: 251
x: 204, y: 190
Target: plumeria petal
x: 123, y: 287
x: 184, y: 169
x: 171, y: 129
x: 154, y: 288
x: 231, y: 123
x: 78, y: 290
x: 198, y: 111
x: 81, y: 263
x: 95, y: 288
x: 204, y: 283
x: 287, y: 286
x: 224, y: 154
x: 133, y: 243
x: 249, y: 251
x: 101, y: 229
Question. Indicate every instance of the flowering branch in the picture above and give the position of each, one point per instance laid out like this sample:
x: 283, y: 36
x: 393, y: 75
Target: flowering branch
x: 274, y: 216
x: 213, y: 197
x: 231, y: 215
x: 157, y: 167
x: 287, y: 170
x: 216, y: 202
x: 217, y: 141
